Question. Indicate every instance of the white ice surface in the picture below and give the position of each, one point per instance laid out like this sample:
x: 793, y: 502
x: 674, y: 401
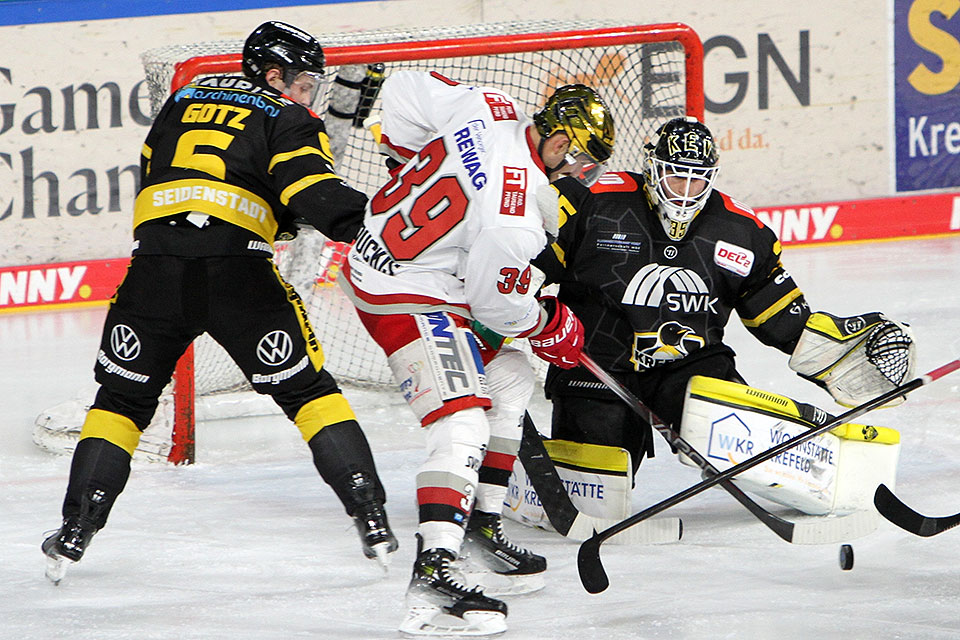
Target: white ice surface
x: 250, y: 544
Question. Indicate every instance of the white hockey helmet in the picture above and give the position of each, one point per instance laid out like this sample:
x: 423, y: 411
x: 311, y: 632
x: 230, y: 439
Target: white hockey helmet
x: 679, y: 171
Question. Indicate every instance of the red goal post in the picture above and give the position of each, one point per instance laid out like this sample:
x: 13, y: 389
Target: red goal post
x: 646, y: 73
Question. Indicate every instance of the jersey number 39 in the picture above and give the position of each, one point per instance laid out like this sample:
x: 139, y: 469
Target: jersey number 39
x: 434, y: 211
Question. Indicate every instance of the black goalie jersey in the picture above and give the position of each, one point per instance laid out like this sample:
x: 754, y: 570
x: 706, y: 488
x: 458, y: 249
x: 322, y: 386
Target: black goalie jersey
x: 647, y: 301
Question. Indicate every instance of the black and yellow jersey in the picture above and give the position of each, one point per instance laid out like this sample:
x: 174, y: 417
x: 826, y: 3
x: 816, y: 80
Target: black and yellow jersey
x: 227, y: 161
x: 646, y: 300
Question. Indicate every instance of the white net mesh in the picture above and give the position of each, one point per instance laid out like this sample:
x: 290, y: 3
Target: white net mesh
x: 642, y: 81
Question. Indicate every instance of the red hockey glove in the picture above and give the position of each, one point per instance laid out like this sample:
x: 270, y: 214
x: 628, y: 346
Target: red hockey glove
x: 561, y: 341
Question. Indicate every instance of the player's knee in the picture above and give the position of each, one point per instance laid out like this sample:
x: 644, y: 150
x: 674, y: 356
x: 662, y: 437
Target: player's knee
x: 511, y: 380
x: 321, y: 412
x: 137, y: 408
x: 460, y: 436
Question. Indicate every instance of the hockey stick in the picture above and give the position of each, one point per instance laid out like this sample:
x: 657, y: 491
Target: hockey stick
x: 563, y: 515
x: 592, y: 574
x: 822, y: 531
x: 894, y: 510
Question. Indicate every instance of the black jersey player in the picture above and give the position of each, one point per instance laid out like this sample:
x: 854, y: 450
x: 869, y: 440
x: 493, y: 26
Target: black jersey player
x: 228, y: 161
x: 653, y: 264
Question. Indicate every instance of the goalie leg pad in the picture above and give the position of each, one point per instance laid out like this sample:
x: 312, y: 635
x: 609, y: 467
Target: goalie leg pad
x: 855, y: 358
x: 597, y: 479
x: 729, y: 423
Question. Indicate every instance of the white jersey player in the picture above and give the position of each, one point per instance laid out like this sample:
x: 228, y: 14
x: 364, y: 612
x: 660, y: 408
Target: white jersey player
x: 439, y: 273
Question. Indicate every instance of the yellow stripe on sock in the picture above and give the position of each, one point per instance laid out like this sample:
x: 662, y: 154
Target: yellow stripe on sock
x: 319, y: 413
x: 111, y: 427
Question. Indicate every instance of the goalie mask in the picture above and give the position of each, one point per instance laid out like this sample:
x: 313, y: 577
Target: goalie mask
x: 679, y: 172
x: 580, y: 113
x: 296, y: 53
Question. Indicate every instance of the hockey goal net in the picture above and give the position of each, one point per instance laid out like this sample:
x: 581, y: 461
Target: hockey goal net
x: 645, y: 73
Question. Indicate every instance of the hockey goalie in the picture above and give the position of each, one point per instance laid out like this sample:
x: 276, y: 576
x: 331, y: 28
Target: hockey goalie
x: 654, y: 263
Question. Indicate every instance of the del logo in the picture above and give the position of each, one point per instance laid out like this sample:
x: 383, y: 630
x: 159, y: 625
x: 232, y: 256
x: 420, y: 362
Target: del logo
x: 124, y: 342
x: 513, y: 202
x: 733, y: 258
x: 501, y: 107
x: 275, y: 348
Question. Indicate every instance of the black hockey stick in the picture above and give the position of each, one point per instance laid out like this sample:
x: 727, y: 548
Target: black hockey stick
x: 563, y: 515
x: 819, y: 532
x: 894, y: 510
x: 592, y: 574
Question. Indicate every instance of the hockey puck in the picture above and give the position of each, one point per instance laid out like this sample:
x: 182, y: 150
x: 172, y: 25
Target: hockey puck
x: 846, y: 557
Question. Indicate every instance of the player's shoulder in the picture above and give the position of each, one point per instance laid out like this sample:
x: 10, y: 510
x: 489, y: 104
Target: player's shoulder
x: 734, y: 210
x: 733, y: 221
x: 617, y: 182
x: 610, y: 184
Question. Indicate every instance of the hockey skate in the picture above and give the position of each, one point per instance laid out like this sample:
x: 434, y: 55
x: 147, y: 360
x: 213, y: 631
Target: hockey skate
x: 66, y: 546
x: 439, y: 604
x: 496, y: 565
x: 376, y: 538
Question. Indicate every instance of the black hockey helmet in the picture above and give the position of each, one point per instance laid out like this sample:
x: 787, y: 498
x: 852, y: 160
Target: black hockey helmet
x: 686, y: 141
x: 283, y: 45
x: 679, y: 171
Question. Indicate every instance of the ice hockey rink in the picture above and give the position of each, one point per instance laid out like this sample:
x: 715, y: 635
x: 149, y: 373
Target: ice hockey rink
x: 250, y: 544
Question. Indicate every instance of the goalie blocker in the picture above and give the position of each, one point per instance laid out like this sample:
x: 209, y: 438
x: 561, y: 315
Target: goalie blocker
x: 833, y: 473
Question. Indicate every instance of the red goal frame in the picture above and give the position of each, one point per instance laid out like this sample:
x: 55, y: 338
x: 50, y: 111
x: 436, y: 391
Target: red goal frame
x: 183, y: 449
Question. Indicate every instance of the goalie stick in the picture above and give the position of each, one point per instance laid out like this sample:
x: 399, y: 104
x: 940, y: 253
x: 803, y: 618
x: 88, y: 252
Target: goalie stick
x: 592, y: 575
x: 569, y: 521
x: 894, y: 510
x: 820, y: 531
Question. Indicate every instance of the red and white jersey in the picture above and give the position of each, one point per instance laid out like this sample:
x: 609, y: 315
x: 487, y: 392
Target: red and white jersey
x: 456, y: 227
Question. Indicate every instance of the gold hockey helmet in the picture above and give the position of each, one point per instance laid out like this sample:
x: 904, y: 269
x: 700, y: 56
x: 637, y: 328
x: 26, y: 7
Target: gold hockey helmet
x: 579, y: 112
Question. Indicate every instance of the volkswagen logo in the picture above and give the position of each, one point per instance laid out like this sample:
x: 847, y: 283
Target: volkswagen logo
x: 124, y: 342
x: 275, y: 348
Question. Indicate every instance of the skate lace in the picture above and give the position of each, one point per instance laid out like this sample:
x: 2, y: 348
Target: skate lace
x: 500, y: 538
x: 448, y: 575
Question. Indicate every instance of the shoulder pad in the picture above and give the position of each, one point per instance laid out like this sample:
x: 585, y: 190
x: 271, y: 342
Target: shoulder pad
x: 735, y: 206
x: 613, y: 181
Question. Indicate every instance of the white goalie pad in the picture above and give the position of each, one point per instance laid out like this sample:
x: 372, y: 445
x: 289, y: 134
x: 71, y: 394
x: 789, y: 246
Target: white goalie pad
x: 597, y: 479
x: 855, y: 358
x: 833, y: 473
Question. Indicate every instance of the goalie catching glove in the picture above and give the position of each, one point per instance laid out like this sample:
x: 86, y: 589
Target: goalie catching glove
x: 561, y: 340
x: 856, y: 358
